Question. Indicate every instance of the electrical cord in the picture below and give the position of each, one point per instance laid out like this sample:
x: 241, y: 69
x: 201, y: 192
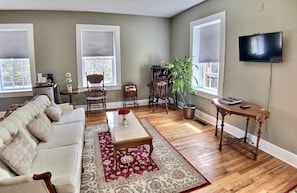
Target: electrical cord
x: 268, y: 100
x: 269, y: 88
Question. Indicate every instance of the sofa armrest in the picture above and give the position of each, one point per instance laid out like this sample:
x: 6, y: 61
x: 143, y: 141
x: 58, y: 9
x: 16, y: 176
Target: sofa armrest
x: 40, y: 183
x: 16, y: 180
x: 47, y: 179
x: 12, y: 108
x: 66, y: 106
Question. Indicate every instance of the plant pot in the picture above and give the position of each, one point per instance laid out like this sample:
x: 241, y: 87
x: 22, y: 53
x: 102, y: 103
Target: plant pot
x: 189, y: 111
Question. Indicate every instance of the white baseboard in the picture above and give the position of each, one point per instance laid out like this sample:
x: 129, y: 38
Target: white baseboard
x: 280, y: 153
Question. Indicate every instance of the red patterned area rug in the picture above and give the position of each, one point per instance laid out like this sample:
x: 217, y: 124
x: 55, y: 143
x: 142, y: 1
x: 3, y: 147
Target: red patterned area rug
x: 168, y: 172
x: 130, y: 160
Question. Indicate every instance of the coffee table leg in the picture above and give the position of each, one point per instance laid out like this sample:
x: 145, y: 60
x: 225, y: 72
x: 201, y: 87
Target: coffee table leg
x: 115, y: 150
x: 151, y: 149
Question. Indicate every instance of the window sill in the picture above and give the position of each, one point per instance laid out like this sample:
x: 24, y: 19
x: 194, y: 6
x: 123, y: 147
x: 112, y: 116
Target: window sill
x: 115, y: 87
x: 206, y: 93
x: 16, y: 94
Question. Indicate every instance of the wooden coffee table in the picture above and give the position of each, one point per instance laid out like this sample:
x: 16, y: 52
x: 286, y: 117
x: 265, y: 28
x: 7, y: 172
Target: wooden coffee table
x: 132, y: 135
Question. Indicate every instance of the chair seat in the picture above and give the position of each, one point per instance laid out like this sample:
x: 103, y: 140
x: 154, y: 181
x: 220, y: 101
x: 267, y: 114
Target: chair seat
x: 95, y: 98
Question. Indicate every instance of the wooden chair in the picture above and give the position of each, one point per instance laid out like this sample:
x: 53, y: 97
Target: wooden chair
x: 161, y: 92
x: 95, y: 93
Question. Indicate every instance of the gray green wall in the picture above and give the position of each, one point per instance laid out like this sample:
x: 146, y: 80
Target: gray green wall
x: 145, y: 41
x: 250, y: 81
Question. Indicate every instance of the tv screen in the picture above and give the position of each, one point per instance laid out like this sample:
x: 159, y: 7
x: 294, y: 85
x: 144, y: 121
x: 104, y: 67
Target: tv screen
x: 261, y: 47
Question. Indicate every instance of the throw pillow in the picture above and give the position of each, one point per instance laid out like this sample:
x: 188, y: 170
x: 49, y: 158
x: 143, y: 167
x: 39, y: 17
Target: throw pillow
x: 40, y: 127
x: 54, y: 112
x: 18, y: 154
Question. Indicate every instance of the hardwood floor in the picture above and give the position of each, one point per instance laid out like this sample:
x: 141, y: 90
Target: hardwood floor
x: 230, y: 170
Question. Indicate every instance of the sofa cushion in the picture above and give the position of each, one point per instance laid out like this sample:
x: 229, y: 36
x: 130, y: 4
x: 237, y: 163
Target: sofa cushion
x: 54, y: 112
x: 4, y: 134
x: 5, y: 172
x: 13, y: 124
x: 65, y: 165
x: 18, y: 154
x: 40, y: 127
x: 70, y: 116
x: 66, y: 106
x: 67, y: 134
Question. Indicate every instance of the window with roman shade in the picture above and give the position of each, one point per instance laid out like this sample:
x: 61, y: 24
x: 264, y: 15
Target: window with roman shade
x: 98, y: 51
x: 17, y: 66
x: 208, y: 53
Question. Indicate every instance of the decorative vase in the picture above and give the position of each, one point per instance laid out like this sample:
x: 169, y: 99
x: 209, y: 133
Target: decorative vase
x: 125, y: 122
x: 69, y: 87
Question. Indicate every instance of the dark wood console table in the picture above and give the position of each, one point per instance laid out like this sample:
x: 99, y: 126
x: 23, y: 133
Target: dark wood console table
x: 255, y: 112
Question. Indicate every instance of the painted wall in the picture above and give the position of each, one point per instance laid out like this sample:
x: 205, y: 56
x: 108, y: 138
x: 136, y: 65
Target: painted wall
x: 147, y: 40
x: 250, y: 81
x: 144, y: 42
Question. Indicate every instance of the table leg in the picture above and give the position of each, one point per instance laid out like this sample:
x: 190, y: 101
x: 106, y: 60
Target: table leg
x: 115, y: 150
x: 70, y: 99
x: 222, y: 130
x: 151, y: 149
x: 108, y: 130
x: 246, y: 128
x: 258, y: 140
x: 216, y: 131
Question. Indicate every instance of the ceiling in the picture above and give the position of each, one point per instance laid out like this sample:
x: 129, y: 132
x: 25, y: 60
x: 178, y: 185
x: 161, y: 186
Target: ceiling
x: 158, y: 8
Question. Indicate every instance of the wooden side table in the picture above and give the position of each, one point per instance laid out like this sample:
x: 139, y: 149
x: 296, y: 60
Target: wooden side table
x: 73, y: 92
x: 255, y: 112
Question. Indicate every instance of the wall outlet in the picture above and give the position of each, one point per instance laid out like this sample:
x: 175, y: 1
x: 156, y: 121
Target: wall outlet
x: 249, y: 140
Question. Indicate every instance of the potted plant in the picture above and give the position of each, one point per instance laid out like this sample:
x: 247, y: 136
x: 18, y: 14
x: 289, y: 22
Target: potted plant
x: 181, y: 76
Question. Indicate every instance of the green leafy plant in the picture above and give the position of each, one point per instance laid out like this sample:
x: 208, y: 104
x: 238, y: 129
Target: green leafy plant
x: 181, y: 77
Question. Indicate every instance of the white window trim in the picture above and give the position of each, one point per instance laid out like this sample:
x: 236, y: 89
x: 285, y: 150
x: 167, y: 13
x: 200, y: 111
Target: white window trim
x: 29, y: 28
x: 116, y: 30
x: 222, y: 16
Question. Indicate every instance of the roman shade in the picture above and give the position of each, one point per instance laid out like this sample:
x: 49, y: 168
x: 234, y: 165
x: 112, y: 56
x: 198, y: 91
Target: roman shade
x: 14, y: 44
x: 97, y: 43
x: 209, y: 50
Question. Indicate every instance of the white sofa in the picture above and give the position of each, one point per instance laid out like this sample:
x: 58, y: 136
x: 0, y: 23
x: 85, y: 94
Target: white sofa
x: 57, y: 164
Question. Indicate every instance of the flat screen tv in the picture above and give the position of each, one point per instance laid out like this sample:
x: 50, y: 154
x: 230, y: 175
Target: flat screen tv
x: 265, y: 47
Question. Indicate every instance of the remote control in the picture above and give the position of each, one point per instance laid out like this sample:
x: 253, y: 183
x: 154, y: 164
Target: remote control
x: 244, y: 106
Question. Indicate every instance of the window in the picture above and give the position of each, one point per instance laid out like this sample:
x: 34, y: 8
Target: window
x: 208, y: 52
x: 98, y: 51
x: 17, y: 63
x: 257, y: 45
